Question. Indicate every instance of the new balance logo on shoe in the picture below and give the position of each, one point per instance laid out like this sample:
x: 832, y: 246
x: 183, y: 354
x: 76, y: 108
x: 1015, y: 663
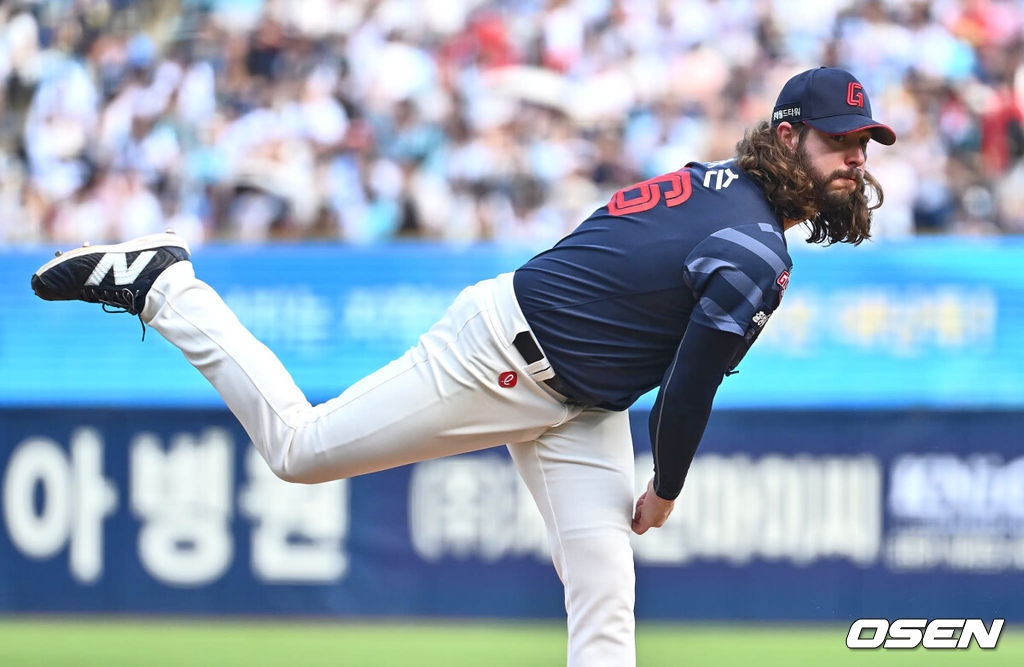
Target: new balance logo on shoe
x: 104, y: 274
x: 118, y: 262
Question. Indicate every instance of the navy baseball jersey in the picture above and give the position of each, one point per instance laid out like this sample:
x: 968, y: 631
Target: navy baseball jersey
x: 611, y: 302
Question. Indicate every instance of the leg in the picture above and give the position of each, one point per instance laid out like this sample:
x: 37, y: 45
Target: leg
x: 581, y: 476
x: 440, y: 398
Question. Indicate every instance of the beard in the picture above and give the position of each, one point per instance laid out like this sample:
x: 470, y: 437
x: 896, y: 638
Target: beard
x: 841, y: 213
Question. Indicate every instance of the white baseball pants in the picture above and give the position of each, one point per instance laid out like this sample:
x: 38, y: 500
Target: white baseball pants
x: 442, y: 397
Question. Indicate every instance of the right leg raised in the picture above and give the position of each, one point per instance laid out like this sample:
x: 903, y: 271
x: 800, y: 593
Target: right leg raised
x: 440, y: 398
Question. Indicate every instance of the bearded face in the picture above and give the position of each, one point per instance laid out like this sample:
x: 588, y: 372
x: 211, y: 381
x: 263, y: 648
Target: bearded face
x: 818, y: 177
x: 840, y: 196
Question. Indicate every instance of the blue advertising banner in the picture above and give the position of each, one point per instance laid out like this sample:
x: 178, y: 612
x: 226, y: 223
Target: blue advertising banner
x: 786, y: 515
x: 927, y: 323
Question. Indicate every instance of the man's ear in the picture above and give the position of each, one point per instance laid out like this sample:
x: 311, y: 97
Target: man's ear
x: 788, y: 134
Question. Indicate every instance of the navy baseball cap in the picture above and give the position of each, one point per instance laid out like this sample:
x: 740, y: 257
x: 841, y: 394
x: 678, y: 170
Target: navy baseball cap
x: 830, y: 100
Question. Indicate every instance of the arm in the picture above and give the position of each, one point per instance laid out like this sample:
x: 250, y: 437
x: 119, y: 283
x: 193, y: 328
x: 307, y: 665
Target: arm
x: 680, y: 414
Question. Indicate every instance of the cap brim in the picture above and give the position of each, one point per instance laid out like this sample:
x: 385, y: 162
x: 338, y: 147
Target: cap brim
x: 835, y: 125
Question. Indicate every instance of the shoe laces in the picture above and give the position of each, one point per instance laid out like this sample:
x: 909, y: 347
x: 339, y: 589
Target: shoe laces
x: 117, y: 301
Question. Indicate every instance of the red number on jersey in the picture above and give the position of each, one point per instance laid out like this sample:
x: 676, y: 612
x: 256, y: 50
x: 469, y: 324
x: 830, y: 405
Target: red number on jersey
x: 650, y: 193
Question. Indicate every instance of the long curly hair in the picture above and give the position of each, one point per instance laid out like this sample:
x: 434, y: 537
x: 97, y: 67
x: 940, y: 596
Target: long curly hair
x: 794, y: 193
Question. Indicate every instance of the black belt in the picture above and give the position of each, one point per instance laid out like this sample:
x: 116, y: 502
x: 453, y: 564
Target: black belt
x: 528, y: 347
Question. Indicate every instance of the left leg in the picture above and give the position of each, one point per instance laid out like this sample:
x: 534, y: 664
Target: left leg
x: 581, y: 476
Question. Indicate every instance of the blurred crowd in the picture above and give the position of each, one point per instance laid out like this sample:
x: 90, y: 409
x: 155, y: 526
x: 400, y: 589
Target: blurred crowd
x: 464, y: 120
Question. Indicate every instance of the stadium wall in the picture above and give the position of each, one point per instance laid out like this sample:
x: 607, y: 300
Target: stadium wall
x: 865, y: 462
x: 786, y: 515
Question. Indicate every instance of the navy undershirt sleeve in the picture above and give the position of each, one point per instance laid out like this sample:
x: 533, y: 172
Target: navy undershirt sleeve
x: 683, y: 405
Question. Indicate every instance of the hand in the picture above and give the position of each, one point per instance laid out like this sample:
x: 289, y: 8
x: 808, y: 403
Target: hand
x: 651, y: 510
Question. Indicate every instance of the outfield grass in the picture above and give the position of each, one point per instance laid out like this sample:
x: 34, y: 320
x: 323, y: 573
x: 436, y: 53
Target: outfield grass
x: 157, y: 643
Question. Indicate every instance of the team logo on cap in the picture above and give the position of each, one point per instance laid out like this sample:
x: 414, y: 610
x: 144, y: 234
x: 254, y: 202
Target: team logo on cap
x: 854, y: 97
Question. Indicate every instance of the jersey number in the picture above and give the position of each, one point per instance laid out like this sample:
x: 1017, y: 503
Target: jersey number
x: 650, y: 194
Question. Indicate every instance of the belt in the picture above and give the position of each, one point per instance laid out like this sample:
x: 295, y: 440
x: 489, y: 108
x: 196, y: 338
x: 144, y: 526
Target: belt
x: 530, y: 351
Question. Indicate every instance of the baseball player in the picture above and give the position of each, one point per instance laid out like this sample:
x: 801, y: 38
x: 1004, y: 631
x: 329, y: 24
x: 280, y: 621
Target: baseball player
x: 666, y: 286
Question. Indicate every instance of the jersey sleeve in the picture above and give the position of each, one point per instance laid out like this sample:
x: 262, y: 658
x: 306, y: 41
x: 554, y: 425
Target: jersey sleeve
x: 684, y: 402
x: 737, y: 276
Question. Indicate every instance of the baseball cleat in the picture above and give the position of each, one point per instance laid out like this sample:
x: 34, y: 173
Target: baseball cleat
x: 117, y: 276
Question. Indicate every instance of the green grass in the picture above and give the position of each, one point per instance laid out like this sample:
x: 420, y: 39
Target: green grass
x: 154, y: 643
